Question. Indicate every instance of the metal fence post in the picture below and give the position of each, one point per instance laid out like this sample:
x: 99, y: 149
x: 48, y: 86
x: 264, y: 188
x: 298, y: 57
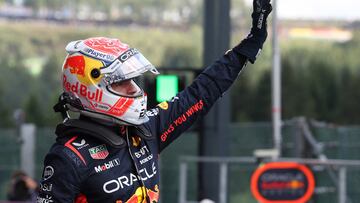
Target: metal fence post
x: 223, y: 182
x: 27, y: 151
x: 182, y: 182
x: 342, y: 185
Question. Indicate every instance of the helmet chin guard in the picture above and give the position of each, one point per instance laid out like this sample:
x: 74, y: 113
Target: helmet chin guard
x: 91, y: 67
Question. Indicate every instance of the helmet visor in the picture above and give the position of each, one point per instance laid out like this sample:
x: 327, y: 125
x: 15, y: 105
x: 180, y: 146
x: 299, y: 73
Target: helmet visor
x: 126, y: 88
x: 128, y: 65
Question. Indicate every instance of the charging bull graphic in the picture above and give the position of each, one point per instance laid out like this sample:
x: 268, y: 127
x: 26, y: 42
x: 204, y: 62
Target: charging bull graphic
x: 139, y: 197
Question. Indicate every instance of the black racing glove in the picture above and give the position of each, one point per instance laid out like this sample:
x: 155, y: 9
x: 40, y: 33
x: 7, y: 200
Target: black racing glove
x: 251, y: 46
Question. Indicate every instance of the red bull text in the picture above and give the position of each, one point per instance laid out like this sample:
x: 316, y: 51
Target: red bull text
x: 83, y: 90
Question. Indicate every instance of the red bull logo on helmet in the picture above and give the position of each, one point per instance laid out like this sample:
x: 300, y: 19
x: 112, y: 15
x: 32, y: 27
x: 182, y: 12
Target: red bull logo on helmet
x: 76, y: 64
x: 82, y: 90
x: 81, y: 67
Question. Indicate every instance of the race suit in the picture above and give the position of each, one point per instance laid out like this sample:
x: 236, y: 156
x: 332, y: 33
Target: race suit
x: 82, y: 168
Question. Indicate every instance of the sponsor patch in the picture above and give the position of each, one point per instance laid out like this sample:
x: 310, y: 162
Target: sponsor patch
x: 46, y: 187
x: 102, y: 106
x: 99, y: 152
x: 146, y: 159
x: 174, y: 99
x: 97, y: 54
x: 164, y: 105
x: 139, y: 193
x: 83, y: 90
x: 141, y: 152
x: 136, y: 141
x: 48, y: 172
x: 81, y: 144
x: 46, y: 199
x: 127, y: 54
x: 128, y: 180
x: 107, y: 165
x: 152, y: 112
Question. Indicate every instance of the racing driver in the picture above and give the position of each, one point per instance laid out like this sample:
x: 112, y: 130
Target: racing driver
x: 110, y: 152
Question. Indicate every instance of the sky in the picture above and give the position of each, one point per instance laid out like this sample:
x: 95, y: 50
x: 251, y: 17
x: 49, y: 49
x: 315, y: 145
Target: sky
x: 318, y: 9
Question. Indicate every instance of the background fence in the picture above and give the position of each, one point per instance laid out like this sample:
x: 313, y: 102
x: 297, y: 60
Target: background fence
x: 336, y: 142
x: 337, y: 169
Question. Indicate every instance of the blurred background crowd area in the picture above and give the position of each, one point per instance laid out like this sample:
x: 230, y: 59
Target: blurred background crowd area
x: 320, y: 79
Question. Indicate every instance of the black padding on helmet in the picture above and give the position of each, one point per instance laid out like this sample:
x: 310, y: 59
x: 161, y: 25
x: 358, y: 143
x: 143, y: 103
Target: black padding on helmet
x: 87, y: 128
x: 81, y: 127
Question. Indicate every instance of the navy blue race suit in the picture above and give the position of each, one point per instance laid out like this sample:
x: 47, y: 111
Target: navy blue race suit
x: 83, y: 168
x: 96, y: 162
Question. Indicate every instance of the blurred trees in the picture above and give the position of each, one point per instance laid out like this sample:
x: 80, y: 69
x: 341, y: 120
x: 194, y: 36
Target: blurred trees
x: 126, y: 11
x: 320, y: 79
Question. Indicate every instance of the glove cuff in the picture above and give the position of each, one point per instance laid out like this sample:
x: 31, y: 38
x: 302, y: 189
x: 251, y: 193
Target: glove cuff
x: 250, y: 47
